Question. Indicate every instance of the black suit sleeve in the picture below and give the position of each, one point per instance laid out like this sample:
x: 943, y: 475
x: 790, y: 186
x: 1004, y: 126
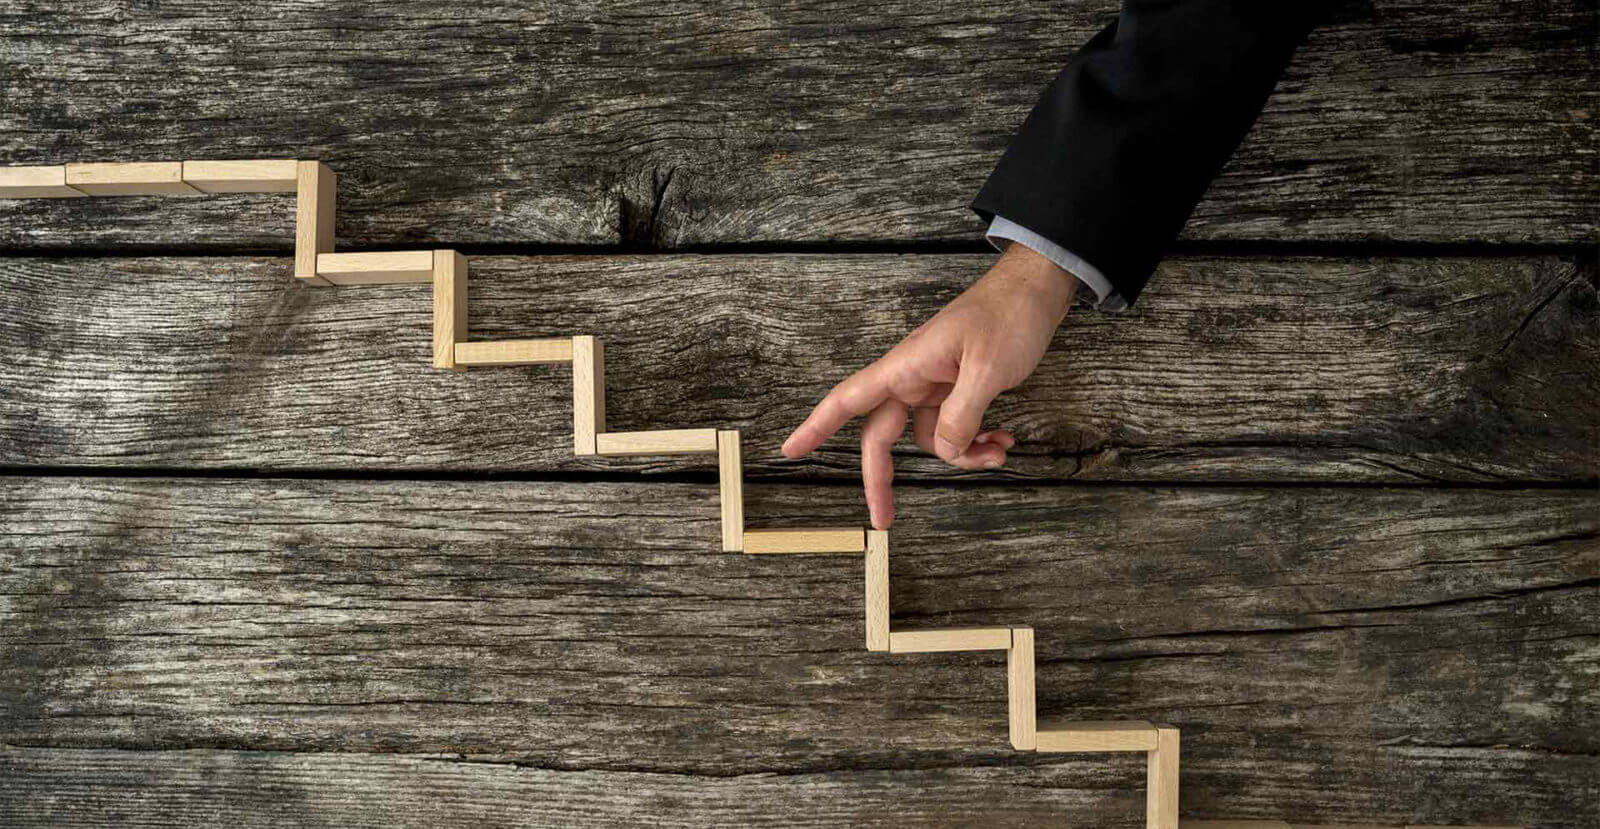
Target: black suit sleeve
x: 1125, y: 141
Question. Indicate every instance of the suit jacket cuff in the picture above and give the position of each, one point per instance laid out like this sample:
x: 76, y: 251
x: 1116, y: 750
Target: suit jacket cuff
x: 1106, y: 297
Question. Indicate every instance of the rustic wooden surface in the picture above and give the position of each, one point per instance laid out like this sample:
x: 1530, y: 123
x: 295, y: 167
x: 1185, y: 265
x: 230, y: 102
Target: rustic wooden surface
x: 1326, y: 499
x: 1401, y: 370
x: 809, y: 121
x: 1350, y: 652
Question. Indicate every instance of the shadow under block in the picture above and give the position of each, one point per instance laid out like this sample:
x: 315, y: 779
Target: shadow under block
x: 877, y: 580
x: 1021, y: 709
x: 1161, y: 792
x: 819, y: 540
x: 949, y: 639
x: 589, y: 394
x: 449, y: 306
x: 316, y: 195
x: 36, y: 183
x: 1129, y: 735
x: 663, y: 442
x: 260, y: 176
x: 730, y: 478
x: 386, y: 268
x: 141, y: 178
x: 513, y: 352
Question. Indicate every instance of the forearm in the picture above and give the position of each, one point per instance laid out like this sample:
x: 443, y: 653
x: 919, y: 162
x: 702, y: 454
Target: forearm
x: 1123, y: 144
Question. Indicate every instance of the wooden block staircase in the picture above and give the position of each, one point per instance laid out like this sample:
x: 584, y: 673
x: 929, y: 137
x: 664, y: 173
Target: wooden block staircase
x: 316, y: 264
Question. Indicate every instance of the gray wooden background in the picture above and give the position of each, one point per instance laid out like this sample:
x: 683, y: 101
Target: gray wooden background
x: 1326, y: 499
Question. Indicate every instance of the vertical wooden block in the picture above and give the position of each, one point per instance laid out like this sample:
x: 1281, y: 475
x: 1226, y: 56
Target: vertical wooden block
x: 1019, y: 690
x: 588, y: 393
x: 142, y: 178
x: 877, y: 590
x: 316, y: 189
x: 36, y: 183
x: 1161, y: 793
x: 449, y: 307
x: 261, y: 176
x: 730, y: 473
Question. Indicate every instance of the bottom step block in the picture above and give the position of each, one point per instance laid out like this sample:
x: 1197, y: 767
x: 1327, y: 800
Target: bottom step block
x: 826, y: 540
x: 1131, y: 735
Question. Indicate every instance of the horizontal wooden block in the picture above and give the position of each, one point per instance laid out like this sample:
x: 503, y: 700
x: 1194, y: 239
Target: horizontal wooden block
x: 1131, y: 735
x: 259, y: 176
x: 820, y: 540
x: 144, y: 178
x: 36, y: 183
x: 387, y: 268
x: 949, y: 639
x: 513, y: 352
x: 662, y: 442
x: 1351, y: 826
x: 1232, y: 824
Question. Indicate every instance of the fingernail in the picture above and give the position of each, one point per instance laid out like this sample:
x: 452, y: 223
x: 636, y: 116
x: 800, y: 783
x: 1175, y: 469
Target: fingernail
x: 993, y: 463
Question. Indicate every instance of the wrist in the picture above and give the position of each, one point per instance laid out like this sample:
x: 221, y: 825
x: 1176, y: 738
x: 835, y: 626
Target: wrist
x: 1034, y: 273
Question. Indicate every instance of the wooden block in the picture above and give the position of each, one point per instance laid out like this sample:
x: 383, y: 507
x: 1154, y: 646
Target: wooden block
x: 588, y: 394
x: 1232, y: 824
x: 1128, y: 735
x: 1351, y: 826
x: 449, y: 307
x: 820, y: 540
x: 1022, y: 712
x: 730, y: 475
x: 513, y: 352
x: 386, y: 268
x: 1161, y: 786
x: 316, y: 189
x: 662, y: 442
x: 949, y: 639
x: 260, y: 176
x: 877, y: 590
x: 36, y: 183
x: 144, y: 178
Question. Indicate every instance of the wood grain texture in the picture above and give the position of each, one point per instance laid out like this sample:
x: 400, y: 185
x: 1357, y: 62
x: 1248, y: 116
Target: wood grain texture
x: 681, y: 123
x: 1340, y: 654
x: 271, y: 790
x: 1252, y: 370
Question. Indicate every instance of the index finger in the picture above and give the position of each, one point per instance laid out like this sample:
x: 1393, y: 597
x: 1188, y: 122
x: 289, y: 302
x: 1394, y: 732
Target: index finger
x: 854, y: 396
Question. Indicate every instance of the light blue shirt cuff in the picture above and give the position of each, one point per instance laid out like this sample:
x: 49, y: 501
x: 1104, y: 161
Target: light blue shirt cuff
x: 1106, y: 297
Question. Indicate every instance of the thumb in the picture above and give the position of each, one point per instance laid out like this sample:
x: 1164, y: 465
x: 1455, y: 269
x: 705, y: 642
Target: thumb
x: 961, y: 413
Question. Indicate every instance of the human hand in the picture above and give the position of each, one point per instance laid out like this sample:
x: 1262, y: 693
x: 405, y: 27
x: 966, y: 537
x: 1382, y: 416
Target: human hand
x: 947, y: 372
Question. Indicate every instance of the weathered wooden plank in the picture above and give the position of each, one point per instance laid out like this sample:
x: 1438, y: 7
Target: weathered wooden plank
x: 1291, y: 369
x: 683, y: 123
x: 1333, y: 654
x: 271, y: 790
